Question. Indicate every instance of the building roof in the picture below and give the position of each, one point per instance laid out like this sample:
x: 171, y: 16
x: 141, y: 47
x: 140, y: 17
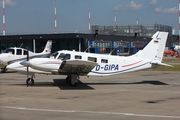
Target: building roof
x: 70, y: 36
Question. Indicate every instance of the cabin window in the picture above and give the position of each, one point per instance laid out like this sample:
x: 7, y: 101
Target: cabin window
x: 19, y: 52
x: 93, y: 59
x: 78, y: 57
x: 25, y: 52
x: 104, y: 61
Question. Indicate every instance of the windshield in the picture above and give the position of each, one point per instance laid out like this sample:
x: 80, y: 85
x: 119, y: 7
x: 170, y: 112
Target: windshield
x: 11, y: 51
x: 54, y: 55
x: 64, y: 56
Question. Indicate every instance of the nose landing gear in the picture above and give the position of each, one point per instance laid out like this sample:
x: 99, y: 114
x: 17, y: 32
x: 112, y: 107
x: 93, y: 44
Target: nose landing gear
x: 30, y: 81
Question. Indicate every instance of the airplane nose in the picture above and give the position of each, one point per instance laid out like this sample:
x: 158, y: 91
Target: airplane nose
x: 25, y: 63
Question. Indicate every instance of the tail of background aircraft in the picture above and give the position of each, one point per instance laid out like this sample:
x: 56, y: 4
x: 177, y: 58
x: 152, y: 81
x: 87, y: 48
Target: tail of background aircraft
x: 48, y: 47
x: 154, y: 49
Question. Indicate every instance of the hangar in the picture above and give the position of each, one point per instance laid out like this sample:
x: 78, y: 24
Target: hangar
x: 97, y: 43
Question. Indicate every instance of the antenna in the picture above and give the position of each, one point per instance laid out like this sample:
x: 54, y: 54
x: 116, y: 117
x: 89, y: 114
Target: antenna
x: 21, y: 45
x: 87, y: 48
x: 55, y: 18
x: 3, y: 13
x: 89, y: 22
x: 113, y: 50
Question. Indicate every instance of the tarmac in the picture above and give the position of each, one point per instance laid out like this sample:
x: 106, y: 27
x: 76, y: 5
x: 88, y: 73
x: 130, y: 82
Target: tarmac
x: 142, y: 95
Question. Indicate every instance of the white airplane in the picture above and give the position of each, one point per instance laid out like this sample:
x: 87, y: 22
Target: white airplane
x: 75, y: 64
x: 14, y: 54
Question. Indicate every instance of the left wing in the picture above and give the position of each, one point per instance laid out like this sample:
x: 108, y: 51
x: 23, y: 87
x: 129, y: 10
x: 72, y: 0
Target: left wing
x: 80, y: 67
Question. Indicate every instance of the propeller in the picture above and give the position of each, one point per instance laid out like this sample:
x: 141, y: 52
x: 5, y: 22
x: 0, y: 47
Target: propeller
x: 27, y: 66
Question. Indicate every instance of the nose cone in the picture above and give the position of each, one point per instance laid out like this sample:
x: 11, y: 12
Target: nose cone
x: 3, y: 58
x: 25, y: 63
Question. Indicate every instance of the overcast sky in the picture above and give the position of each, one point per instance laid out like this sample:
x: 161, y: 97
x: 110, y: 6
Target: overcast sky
x: 37, y: 16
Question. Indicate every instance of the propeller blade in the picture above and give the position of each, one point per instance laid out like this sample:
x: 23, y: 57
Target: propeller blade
x: 27, y: 55
x: 27, y: 66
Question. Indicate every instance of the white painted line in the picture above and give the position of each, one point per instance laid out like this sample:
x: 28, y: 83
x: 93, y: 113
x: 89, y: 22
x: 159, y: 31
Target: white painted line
x: 90, y: 112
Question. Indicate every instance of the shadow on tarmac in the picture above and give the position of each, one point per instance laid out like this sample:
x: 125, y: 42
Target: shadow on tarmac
x: 86, y: 86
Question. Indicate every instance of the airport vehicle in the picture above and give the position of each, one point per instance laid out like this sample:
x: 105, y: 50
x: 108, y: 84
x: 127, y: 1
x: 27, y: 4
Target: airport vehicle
x: 75, y: 64
x: 169, y: 52
x: 174, y: 52
x: 13, y: 54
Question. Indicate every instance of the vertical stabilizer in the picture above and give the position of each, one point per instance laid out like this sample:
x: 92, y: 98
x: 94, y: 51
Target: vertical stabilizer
x: 154, y: 49
x: 48, y: 47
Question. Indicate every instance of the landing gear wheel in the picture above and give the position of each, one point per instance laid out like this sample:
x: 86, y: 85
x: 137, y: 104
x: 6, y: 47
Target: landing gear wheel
x: 68, y: 79
x: 30, y: 81
x: 71, y: 80
x: 73, y: 84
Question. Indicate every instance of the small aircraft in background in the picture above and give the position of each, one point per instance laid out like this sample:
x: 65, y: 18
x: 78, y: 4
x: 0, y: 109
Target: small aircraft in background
x: 75, y: 64
x: 14, y: 54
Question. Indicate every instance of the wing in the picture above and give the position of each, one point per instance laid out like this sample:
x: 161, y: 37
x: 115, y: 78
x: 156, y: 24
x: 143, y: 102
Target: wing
x: 21, y: 59
x: 80, y: 67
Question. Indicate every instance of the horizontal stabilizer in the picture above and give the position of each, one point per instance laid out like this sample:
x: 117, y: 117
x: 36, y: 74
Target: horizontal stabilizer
x: 162, y: 64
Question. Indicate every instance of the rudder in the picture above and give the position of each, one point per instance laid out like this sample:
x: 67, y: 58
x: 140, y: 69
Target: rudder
x: 155, y: 48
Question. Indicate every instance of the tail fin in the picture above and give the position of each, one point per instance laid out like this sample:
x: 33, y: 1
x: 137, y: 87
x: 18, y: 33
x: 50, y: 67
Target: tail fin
x: 48, y: 47
x: 153, y: 51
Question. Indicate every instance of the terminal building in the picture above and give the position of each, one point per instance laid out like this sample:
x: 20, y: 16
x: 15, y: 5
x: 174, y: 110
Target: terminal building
x: 120, y: 40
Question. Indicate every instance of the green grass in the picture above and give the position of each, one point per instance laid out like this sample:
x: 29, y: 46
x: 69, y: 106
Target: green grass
x: 171, y: 61
x: 166, y: 68
x: 2, y: 66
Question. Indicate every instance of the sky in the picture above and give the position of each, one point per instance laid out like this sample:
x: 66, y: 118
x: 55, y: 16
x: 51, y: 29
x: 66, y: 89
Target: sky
x: 37, y: 16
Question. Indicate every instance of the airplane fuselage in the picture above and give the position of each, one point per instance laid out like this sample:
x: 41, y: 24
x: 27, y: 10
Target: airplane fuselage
x: 106, y: 64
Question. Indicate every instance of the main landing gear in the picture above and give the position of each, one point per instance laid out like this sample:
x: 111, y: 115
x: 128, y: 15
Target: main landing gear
x: 72, y: 80
x: 30, y: 81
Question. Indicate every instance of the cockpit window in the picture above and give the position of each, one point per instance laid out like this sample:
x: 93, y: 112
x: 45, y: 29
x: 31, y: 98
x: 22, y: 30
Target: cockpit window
x: 64, y: 56
x: 54, y: 55
x: 11, y: 51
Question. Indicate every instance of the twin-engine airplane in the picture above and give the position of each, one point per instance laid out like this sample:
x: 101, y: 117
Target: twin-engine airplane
x: 14, y: 54
x: 75, y: 64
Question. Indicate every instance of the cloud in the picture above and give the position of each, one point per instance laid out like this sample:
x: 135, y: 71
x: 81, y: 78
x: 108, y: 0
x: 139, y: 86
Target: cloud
x: 10, y: 2
x: 167, y: 10
x: 153, y: 2
x: 132, y: 6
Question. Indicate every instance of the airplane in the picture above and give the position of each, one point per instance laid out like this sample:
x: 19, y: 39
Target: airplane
x: 75, y: 64
x: 14, y: 54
